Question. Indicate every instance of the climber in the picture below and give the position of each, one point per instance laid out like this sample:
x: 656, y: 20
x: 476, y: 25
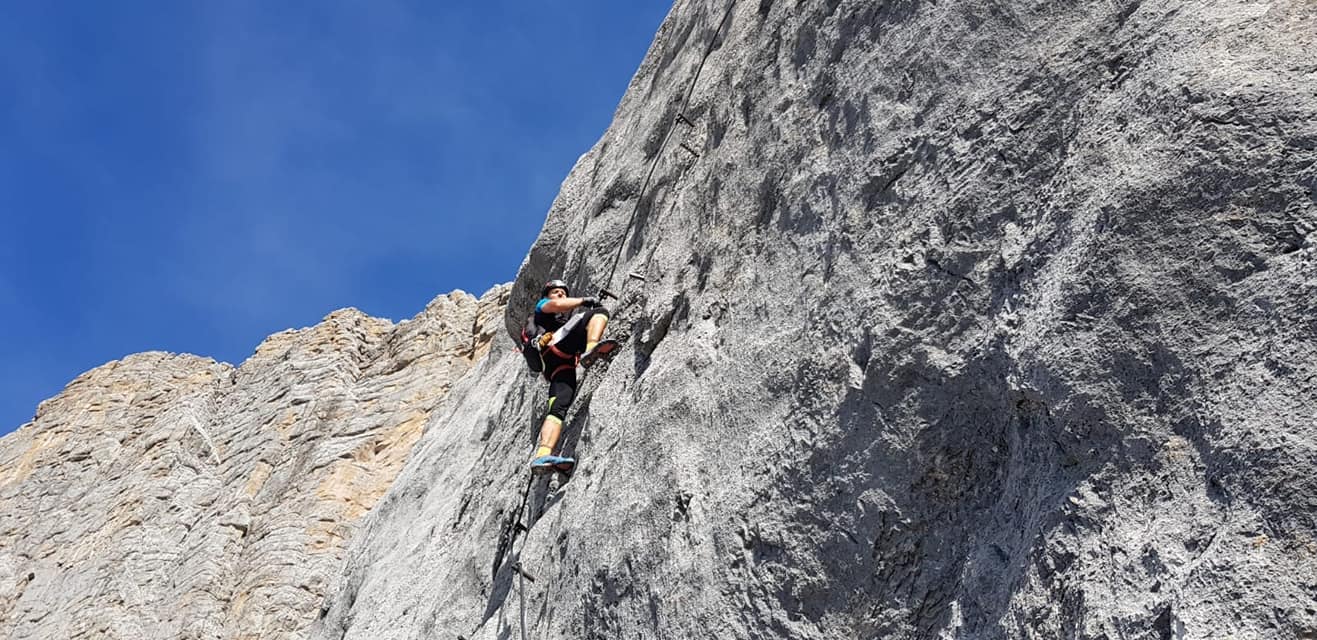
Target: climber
x: 570, y: 336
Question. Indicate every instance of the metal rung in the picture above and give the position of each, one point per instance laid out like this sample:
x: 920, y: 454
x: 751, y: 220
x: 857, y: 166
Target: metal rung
x: 517, y: 567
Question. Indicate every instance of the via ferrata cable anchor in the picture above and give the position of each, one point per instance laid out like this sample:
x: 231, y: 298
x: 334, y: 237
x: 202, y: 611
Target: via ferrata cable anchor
x: 516, y: 566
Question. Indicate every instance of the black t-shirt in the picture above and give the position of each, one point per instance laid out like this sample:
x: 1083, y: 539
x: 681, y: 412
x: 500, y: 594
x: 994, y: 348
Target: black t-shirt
x: 550, y: 321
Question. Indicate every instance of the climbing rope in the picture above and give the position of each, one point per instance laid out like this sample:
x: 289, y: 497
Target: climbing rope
x: 653, y: 164
x: 507, y: 546
x: 513, y: 529
x: 681, y: 117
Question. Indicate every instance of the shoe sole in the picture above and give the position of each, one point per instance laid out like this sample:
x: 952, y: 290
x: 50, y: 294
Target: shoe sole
x: 597, y: 355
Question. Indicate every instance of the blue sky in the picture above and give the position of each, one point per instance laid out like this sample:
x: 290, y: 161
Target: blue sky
x: 194, y: 176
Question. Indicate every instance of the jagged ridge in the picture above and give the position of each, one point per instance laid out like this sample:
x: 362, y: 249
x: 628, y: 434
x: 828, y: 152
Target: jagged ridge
x: 173, y: 496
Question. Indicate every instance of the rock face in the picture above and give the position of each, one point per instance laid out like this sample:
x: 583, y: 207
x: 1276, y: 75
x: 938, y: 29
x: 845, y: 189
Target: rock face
x: 966, y: 320
x: 958, y: 320
x: 170, y: 496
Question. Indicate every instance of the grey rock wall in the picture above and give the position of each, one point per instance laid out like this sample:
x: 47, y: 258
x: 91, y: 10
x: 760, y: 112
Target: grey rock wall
x: 968, y: 320
x: 171, y: 496
x: 958, y: 320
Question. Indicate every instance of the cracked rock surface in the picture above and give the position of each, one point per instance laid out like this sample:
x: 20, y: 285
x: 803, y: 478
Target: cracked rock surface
x: 957, y: 320
x: 171, y: 496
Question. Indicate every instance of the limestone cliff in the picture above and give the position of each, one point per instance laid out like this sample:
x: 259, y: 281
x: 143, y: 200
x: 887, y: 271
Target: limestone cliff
x: 171, y: 496
x: 984, y: 319
x: 989, y: 319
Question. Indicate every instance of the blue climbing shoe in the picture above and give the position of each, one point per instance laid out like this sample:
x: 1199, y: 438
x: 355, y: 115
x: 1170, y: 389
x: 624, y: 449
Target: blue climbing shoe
x: 546, y: 464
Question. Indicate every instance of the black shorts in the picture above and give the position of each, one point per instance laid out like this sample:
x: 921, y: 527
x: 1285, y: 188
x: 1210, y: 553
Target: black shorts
x: 574, y: 342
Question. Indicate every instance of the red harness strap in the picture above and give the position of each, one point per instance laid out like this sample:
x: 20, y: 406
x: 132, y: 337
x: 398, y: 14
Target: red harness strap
x: 560, y: 353
x: 573, y: 360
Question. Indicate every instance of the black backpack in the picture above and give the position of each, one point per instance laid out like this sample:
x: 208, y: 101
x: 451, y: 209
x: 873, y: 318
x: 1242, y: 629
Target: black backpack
x: 530, y: 344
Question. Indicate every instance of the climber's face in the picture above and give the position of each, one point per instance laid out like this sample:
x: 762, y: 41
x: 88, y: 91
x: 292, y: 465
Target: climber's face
x: 557, y: 293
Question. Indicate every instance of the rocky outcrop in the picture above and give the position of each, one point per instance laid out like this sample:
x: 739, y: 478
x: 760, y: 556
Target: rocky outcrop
x: 171, y: 496
x: 957, y: 320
